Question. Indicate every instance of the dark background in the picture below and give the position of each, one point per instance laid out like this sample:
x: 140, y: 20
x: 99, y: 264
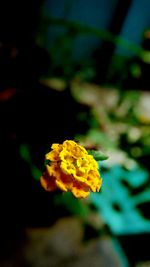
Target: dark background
x: 31, y: 113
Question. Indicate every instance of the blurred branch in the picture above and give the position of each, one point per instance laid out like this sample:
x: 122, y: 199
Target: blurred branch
x: 80, y: 28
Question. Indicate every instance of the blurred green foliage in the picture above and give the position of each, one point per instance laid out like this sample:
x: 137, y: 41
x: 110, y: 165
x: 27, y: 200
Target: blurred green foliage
x: 61, y: 48
x: 25, y: 154
x: 123, y: 127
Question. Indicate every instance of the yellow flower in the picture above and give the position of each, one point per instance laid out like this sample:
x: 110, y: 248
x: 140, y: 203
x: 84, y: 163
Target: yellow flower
x: 72, y: 169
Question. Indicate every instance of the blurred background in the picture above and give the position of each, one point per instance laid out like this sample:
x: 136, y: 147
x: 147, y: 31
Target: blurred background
x: 75, y: 70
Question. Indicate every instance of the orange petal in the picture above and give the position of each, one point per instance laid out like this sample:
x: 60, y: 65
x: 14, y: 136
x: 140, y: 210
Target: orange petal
x: 80, y: 190
x: 48, y: 182
x: 61, y: 185
x: 79, y: 193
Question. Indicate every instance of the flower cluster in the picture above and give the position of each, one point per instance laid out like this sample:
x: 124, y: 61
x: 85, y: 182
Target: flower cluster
x: 71, y: 168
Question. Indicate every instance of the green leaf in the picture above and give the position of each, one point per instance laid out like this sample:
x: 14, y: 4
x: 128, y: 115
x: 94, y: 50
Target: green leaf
x: 25, y: 152
x: 97, y: 155
x: 36, y: 172
x: 47, y: 162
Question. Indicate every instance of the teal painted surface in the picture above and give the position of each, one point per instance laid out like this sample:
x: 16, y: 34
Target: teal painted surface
x: 116, y: 204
